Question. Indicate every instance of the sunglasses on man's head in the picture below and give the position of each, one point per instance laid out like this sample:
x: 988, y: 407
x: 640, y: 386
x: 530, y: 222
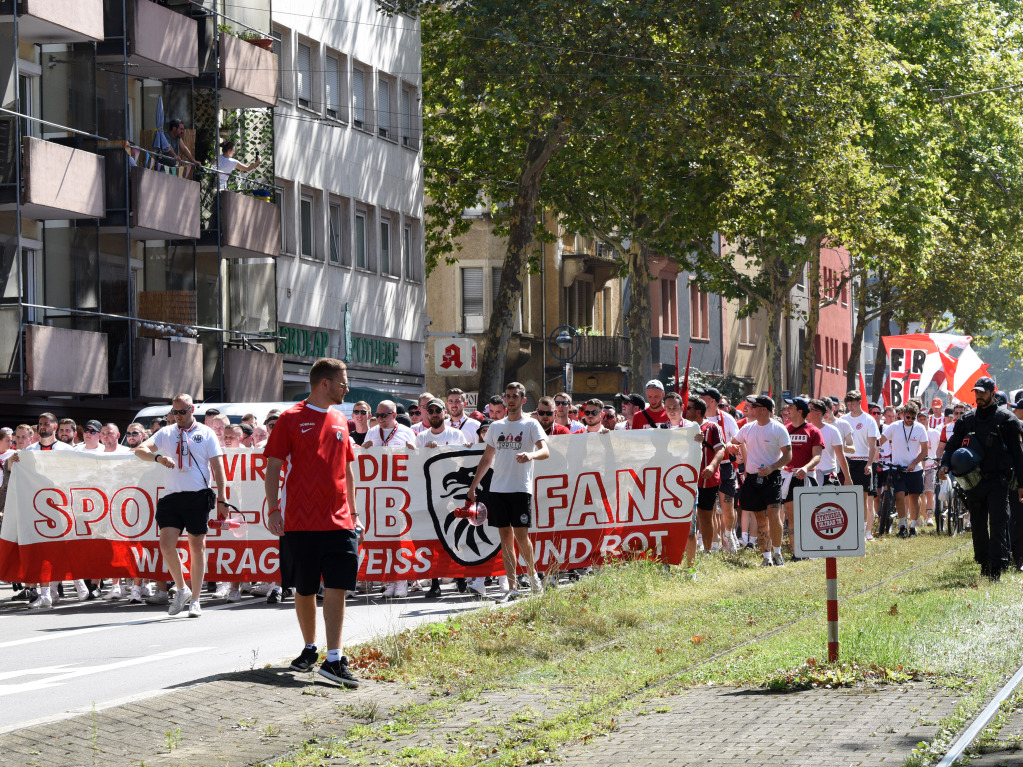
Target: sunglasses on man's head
x: 545, y: 412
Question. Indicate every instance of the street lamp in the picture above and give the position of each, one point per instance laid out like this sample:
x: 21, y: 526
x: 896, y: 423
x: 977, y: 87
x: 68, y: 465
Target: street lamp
x: 564, y: 343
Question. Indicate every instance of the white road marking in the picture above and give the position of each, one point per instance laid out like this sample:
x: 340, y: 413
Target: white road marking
x: 67, y: 676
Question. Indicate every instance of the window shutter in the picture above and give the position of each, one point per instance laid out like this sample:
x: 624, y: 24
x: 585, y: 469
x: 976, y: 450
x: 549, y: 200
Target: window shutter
x: 333, y: 89
x: 384, y: 108
x: 359, y: 94
x: 304, y: 74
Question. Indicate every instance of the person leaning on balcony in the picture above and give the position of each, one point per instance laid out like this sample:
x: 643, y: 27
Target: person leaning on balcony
x: 172, y: 146
x: 226, y: 164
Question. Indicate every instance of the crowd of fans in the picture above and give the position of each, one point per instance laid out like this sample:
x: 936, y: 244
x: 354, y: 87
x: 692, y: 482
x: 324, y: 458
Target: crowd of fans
x: 821, y: 430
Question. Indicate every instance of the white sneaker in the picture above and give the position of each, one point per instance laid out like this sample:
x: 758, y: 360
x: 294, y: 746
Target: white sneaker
x: 147, y: 590
x: 735, y: 542
x: 401, y: 589
x: 194, y: 611
x: 222, y: 591
x: 510, y: 595
x: 115, y: 592
x: 262, y: 589
x: 44, y: 601
x: 158, y: 598
x: 869, y: 537
x: 136, y: 595
x: 245, y: 587
x: 502, y: 583
x: 777, y: 560
x: 536, y: 585
x: 234, y: 595
x: 389, y: 591
x: 82, y: 589
x: 477, y: 586
x: 182, y: 598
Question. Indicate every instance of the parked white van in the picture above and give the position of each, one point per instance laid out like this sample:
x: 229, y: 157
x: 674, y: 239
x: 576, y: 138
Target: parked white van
x: 233, y: 410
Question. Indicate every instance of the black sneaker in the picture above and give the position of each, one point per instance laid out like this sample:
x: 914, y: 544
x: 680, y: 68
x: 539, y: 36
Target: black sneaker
x: 903, y: 532
x: 287, y: 594
x: 306, y: 660
x: 460, y: 585
x: 275, y: 596
x: 337, y: 671
x: 912, y: 532
x: 26, y: 595
x: 433, y: 593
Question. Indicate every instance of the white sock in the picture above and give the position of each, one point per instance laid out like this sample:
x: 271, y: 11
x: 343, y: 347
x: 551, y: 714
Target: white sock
x: 333, y: 655
x: 777, y: 550
x: 902, y: 521
x: 310, y: 647
x: 745, y: 538
x: 44, y: 591
x: 753, y: 540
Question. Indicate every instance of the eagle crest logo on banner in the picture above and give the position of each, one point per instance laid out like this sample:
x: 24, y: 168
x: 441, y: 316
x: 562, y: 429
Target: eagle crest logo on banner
x: 448, y: 477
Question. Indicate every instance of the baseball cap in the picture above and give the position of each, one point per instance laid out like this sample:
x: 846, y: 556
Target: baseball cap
x: 985, y: 383
x: 711, y: 392
x: 211, y: 411
x: 937, y: 401
x: 247, y: 429
x: 653, y: 383
x: 635, y: 399
x: 799, y: 402
x: 761, y: 399
x: 437, y: 402
x: 94, y: 425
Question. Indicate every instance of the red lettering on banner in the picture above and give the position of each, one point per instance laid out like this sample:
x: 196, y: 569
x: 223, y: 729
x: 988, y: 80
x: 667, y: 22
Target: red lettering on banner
x: 593, y: 502
x: 400, y: 471
x: 390, y: 512
x: 55, y: 522
x: 258, y: 467
x: 367, y: 467
x: 678, y: 481
x: 93, y: 507
x: 138, y: 523
x: 230, y: 465
x: 547, y: 500
x: 630, y: 488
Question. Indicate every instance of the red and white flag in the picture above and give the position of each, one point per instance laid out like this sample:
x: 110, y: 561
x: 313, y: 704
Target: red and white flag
x: 916, y: 359
x: 968, y: 369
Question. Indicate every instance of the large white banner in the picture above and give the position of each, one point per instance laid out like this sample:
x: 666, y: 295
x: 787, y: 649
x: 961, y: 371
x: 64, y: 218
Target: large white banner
x: 599, y: 496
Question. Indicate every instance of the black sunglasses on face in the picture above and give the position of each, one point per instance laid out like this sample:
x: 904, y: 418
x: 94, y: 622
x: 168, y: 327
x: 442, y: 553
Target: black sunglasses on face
x: 91, y: 431
x: 591, y: 412
x: 416, y: 411
x: 183, y: 411
x: 360, y: 412
x: 134, y: 434
x: 561, y: 403
x: 545, y: 412
x: 384, y: 415
x: 433, y: 410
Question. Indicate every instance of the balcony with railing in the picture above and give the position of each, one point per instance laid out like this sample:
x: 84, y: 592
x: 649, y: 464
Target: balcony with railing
x: 164, y: 206
x: 251, y: 226
x: 60, y: 182
x: 602, y: 351
x: 248, y: 74
x: 55, y: 21
x: 161, y: 44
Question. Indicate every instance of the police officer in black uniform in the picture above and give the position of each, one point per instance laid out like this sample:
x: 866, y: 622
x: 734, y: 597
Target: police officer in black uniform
x: 1016, y: 508
x: 994, y: 435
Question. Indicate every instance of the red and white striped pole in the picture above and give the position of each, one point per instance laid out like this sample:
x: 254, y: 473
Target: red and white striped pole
x: 831, y: 573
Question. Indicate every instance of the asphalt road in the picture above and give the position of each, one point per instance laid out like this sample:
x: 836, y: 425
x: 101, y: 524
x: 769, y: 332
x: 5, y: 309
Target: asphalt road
x: 79, y: 657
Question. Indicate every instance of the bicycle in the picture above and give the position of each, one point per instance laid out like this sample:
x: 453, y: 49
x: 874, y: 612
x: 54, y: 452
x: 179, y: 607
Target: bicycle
x: 886, y: 509
x: 957, y: 510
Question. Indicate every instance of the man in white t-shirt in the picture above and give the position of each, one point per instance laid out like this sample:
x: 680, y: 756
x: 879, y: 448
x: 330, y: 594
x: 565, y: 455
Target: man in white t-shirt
x: 768, y: 449
x: 226, y: 164
x: 459, y: 420
x: 110, y: 437
x: 930, y: 467
x: 438, y: 433
x: 562, y: 403
x: 90, y: 433
x: 513, y: 443
x: 833, y: 463
x: 909, y: 450
x: 388, y: 432
x: 191, y: 454
x: 865, y: 435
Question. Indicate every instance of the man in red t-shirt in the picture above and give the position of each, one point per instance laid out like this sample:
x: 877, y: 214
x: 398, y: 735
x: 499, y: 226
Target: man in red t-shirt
x: 316, y: 516
x: 807, y: 448
x: 654, y: 413
x: 710, y: 476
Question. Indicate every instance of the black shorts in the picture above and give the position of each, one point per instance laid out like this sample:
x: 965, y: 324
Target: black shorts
x: 860, y: 477
x: 809, y: 481
x: 328, y: 555
x: 706, y: 497
x: 908, y: 482
x: 727, y: 479
x: 509, y: 509
x: 757, y: 496
x: 186, y: 510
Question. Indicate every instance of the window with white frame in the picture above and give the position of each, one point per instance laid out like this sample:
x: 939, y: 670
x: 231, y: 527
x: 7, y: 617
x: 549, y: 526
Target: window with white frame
x: 385, y: 246
x: 305, y: 75
x: 306, y: 218
x: 336, y: 229
x: 384, y: 91
x: 746, y: 337
x: 472, y: 299
x: 358, y: 96
x: 409, y: 118
x: 699, y: 313
x: 332, y: 81
x: 406, y: 251
x: 361, y: 261
x: 282, y: 49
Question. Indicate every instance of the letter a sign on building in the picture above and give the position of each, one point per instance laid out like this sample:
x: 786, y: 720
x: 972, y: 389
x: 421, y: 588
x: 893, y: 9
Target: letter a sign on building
x: 455, y: 356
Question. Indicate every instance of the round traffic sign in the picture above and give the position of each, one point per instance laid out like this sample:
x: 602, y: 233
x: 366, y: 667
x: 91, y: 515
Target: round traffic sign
x: 829, y: 521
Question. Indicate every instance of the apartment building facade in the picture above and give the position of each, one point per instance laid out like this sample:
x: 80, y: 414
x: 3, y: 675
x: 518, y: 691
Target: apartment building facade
x: 128, y: 275
x: 350, y: 275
